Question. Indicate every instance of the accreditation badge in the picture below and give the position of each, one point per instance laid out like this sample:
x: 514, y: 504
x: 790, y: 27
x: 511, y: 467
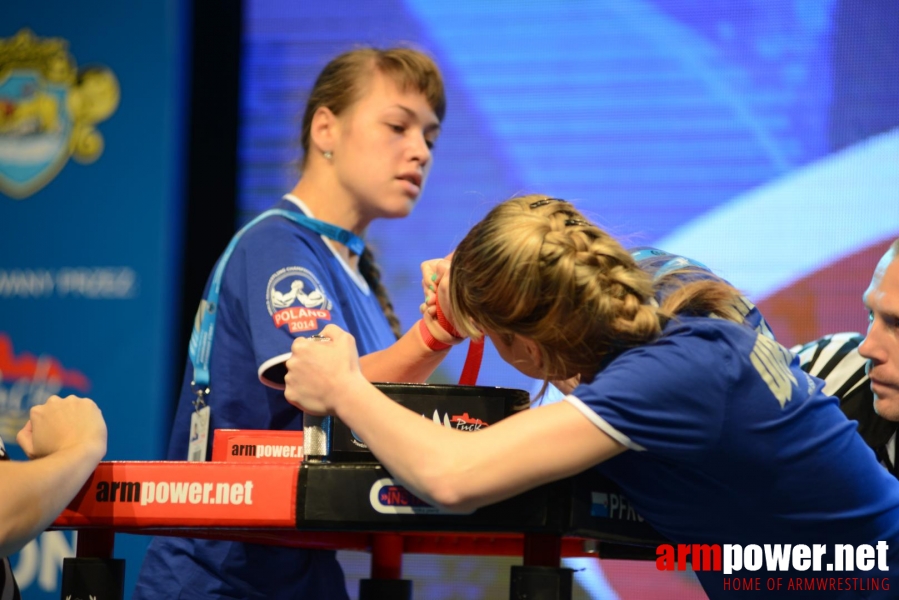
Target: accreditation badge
x: 199, y: 434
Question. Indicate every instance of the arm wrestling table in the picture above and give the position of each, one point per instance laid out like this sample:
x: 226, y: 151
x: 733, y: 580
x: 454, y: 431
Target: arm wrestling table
x: 257, y: 489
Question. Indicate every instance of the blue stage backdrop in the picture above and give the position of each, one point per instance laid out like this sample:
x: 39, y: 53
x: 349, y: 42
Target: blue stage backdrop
x: 90, y: 210
x: 760, y: 137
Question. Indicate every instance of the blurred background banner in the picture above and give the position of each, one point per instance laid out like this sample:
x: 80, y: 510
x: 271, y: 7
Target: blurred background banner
x: 760, y: 137
x: 91, y: 138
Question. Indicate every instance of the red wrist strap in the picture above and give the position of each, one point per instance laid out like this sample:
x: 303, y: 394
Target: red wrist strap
x: 444, y: 322
x: 430, y: 341
x: 475, y: 349
x: 472, y: 362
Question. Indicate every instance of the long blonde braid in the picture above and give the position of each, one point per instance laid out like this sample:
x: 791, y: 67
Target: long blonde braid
x: 534, y: 266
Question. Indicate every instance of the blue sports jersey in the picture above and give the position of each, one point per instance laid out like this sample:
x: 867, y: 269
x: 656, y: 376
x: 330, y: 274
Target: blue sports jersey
x: 281, y: 282
x: 730, y: 442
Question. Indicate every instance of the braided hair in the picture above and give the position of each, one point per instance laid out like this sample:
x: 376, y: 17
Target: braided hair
x: 372, y: 274
x: 536, y: 267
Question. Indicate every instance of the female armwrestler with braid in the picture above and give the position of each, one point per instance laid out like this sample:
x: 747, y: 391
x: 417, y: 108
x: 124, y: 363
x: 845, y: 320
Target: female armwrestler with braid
x: 709, y: 427
x: 369, y: 128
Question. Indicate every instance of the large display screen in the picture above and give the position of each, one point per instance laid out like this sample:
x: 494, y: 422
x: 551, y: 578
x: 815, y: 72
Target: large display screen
x: 758, y: 137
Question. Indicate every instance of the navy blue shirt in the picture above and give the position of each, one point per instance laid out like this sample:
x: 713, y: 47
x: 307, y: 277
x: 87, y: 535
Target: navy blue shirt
x: 730, y: 442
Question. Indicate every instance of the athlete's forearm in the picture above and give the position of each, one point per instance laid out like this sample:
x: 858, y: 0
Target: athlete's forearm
x: 417, y: 451
x: 37, y: 491
x: 409, y: 360
x: 462, y: 471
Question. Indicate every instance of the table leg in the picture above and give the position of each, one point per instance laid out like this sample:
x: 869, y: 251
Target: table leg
x: 97, y: 543
x: 386, y: 570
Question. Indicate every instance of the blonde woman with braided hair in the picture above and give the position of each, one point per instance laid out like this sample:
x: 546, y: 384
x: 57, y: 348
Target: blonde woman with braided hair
x: 568, y: 287
x: 707, y: 424
x: 368, y: 133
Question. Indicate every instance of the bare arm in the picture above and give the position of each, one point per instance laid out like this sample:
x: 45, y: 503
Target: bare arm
x: 409, y: 360
x: 66, y: 438
x: 464, y: 471
x: 457, y: 470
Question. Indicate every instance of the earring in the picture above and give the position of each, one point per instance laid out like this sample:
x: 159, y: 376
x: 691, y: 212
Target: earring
x: 328, y: 154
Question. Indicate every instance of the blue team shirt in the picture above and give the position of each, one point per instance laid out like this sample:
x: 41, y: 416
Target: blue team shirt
x: 730, y: 442
x: 281, y: 282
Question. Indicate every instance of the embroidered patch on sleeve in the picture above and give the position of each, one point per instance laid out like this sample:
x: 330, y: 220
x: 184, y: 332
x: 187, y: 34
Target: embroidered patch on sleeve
x: 296, y: 299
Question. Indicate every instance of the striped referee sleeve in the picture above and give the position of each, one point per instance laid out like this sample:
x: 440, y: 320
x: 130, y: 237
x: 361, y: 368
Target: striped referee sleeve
x: 835, y: 359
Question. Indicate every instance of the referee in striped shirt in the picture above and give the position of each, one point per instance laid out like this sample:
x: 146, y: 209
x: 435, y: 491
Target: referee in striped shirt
x: 863, y: 372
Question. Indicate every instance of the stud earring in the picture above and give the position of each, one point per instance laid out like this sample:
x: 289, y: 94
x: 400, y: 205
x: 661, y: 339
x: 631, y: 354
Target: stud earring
x: 328, y: 154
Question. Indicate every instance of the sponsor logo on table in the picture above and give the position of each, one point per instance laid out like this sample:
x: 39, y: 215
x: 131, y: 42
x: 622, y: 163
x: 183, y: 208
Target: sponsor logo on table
x: 390, y: 498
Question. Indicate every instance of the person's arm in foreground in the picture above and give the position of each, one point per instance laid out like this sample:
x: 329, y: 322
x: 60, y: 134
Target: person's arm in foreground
x: 460, y: 471
x: 66, y: 438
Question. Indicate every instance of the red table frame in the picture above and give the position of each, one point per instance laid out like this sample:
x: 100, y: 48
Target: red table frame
x: 102, y: 509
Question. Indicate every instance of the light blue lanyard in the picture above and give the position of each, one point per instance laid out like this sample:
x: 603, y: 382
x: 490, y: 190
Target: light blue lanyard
x: 200, y: 348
